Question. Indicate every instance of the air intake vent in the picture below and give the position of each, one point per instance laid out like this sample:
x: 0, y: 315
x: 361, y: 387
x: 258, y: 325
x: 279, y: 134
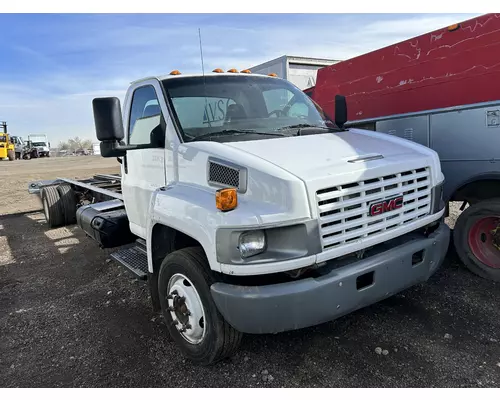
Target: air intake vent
x: 223, y: 174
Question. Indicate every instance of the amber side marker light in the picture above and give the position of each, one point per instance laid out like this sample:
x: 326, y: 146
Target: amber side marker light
x: 246, y: 71
x: 453, y: 27
x: 218, y: 70
x: 233, y: 70
x: 226, y: 199
x: 175, y: 72
x: 272, y: 74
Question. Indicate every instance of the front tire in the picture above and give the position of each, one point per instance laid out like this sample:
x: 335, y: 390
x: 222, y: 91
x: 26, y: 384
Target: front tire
x: 477, y: 238
x: 192, y: 318
x: 11, y: 155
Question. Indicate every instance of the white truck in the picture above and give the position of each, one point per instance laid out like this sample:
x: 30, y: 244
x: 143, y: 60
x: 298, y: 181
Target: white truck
x: 41, y: 144
x: 248, y: 211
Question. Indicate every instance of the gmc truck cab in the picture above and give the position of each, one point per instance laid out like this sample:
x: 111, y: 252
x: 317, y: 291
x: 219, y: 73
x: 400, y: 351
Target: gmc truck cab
x: 257, y: 213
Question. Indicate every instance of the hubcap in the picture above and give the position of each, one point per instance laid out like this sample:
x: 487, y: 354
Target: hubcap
x: 186, y: 308
x: 484, y: 241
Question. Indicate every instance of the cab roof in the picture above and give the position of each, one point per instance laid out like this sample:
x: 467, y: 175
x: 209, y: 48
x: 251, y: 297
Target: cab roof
x: 210, y: 74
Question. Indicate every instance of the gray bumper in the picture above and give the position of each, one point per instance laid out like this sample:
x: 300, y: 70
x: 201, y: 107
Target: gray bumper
x: 312, y: 301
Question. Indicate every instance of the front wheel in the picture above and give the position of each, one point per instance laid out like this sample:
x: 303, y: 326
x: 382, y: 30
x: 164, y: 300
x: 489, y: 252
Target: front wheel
x: 190, y: 313
x: 477, y: 238
x: 11, y: 155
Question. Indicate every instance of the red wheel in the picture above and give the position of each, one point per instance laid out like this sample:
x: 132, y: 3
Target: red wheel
x: 477, y: 238
x: 484, y: 241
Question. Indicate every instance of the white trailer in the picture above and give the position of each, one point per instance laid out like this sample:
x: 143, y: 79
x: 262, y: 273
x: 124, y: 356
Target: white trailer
x: 301, y: 71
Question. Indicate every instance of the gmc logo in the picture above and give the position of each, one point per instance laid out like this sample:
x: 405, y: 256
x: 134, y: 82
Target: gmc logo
x: 385, y: 206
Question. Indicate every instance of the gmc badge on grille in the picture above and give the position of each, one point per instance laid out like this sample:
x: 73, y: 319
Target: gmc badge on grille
x: 386, y: 205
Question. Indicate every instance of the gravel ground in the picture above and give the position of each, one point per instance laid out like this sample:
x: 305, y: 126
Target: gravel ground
x: 71, y: 317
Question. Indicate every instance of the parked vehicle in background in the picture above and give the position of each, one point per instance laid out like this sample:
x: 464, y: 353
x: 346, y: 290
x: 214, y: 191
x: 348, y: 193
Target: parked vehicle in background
x: 6, y: 145
x: 440, y: 90
x: 301, y: 71
x: 41, y: 144
x: 18, y: 143
x: 250, y: 212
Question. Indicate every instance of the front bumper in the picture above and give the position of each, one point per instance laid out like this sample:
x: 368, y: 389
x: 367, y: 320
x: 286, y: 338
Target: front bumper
x: 312, y: 301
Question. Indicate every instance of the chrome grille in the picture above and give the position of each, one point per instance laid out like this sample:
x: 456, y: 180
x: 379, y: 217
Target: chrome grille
x: 344, y: 210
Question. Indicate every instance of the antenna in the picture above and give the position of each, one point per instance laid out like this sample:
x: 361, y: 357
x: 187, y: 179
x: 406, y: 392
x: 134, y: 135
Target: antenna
x: 204, y: 81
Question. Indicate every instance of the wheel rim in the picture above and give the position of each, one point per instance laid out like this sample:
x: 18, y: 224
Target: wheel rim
x: 186, y: 309
x: 484, y: 241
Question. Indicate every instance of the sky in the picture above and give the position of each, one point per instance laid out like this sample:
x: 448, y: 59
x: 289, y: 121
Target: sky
x: 53, y: 65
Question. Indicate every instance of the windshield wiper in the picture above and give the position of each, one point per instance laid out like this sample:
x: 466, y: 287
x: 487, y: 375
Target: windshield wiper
x: 302, y: 126
x: 233, y: 132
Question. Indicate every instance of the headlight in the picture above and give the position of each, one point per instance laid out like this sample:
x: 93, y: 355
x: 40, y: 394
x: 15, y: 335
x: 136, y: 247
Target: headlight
x: 252, y: 243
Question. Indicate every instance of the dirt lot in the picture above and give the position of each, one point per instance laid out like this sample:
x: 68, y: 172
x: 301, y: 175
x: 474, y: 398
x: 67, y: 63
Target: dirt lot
x: 70, y: 317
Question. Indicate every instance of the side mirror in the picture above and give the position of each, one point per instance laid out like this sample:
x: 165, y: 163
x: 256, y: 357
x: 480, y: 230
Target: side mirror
x: 109, y: 149
x: 108, y: 119
x: 340, y: 111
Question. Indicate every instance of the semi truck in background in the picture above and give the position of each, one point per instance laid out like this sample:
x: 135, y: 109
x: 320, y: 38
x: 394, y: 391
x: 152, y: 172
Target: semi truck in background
x: 440, y: 89
x: 301, y: 71
x: 41, y: 144
x: 248, y: 211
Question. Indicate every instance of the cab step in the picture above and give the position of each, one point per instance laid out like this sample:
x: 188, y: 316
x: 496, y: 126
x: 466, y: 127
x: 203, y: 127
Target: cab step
x: 134, y: 258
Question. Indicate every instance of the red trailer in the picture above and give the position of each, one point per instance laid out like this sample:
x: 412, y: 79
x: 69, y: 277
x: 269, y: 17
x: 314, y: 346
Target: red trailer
x: 442, y: 90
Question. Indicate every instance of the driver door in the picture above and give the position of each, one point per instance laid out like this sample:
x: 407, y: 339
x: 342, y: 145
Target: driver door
x: 143, y: 170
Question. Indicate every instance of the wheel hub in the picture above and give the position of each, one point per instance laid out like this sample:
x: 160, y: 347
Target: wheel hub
x: 186, y: 308
x: 484, y: 241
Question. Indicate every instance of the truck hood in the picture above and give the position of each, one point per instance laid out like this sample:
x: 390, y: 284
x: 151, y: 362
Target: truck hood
x: 349, y: 156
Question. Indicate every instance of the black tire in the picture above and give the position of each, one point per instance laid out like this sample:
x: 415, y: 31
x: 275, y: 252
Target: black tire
x: 18, y: 156
x: 467, y: 221
x: 11, y: 155
x: 52, y: 206
x: 221, y: 340
x: 68, y: 200
x: 27, y: 156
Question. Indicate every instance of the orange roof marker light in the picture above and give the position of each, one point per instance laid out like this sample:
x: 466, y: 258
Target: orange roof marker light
x: 218, y: 70
x: 272, y: 74
x: 226, y: 199
x: 233, y: 70
x: 453, y: 27
x: 246, y: 71
x: 175, y: 72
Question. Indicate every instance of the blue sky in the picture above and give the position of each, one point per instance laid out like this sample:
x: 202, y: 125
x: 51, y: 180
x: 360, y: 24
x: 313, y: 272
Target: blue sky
x: 53, y: 65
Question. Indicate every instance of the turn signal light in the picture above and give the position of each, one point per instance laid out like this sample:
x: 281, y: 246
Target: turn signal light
x: 233, y: 70
x: 226, y: 199
x: 453, y: 27
x: 218, y: 70
x: 175, y: 72
x: 272, y: 74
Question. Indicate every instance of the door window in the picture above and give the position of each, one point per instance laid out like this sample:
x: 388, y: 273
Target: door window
x: 145, y: 115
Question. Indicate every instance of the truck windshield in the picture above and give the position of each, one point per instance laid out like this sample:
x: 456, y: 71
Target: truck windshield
x: 218, y: 107
x: 39, y: 144
x: 3, y: 139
